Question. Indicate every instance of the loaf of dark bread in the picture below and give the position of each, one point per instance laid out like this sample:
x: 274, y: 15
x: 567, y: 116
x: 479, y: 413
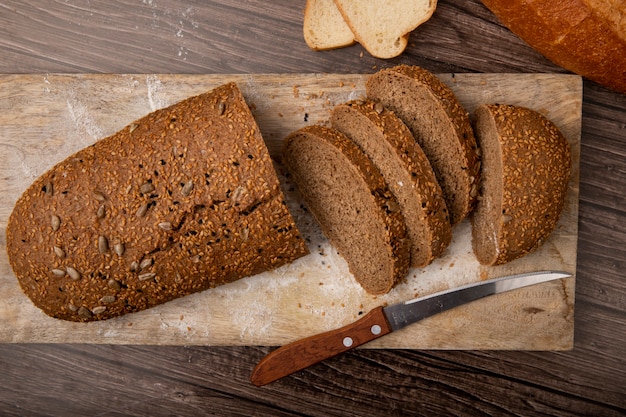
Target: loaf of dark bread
x: 439, y: 124
x: 182, y: 200
x: 526, y: 168
x: 349, y: 198
x: 387, y: 141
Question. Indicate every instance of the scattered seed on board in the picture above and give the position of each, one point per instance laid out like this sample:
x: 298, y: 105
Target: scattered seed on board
x: 118, y: 248
x: 187, y: 188
x: 165, y: 225
x: 58, y: 272
x: 146, y: 263
x: 98, y: 309
x: 84, y: 312
x: 142, y: 210
x: 107, y: 299
x: 55, y: 222
x: 147, y: 276
x: 103, y: 244
x: 59, y: 252
x: 73, y: 273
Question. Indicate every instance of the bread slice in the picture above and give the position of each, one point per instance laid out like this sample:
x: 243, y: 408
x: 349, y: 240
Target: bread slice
x: 181, y: 200
x: 349, y: 198
x: 324, y: 27
x: 526, y: 169
x: 389, y: 144
x: 439, y: 124
x: 383, y: 26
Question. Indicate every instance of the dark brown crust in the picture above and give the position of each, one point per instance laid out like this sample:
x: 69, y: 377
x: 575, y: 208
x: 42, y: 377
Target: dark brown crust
x: 571, y: 34
x: 464, y: 141
x: 536, y: 164
x: 432, y: 214
x: 397, y: 241
x: 231, y: 223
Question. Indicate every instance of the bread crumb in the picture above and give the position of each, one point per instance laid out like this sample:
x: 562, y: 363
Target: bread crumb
x: 296, y: 92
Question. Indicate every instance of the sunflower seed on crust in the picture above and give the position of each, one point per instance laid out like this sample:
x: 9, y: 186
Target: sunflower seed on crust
x: 73, y: 273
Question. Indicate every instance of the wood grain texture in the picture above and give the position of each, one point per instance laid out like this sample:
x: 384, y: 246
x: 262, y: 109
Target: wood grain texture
x: 161, y: 36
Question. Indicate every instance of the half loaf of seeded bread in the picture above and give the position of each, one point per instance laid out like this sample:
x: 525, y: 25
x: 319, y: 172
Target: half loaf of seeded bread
x: 182, y: 200
x: 387, y: 141
x: 349, y: 198
x: 526, y: 168
x: 439, y: 124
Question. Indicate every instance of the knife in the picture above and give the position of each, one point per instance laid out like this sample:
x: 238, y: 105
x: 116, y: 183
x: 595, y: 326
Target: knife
x: 380, y: 321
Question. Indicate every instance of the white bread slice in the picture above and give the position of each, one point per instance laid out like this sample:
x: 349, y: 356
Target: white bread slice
x: 383, y: 26
x: 324, y: 27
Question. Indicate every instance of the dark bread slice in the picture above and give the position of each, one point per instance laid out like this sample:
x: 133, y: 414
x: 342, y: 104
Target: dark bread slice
x: 387, y: 141
x: 183, y: 199
x: 526, y: 169
x: 439, y: 124
x: 349, y: 198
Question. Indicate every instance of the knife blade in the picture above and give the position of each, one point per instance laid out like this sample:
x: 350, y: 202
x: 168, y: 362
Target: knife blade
x: 380, y: 321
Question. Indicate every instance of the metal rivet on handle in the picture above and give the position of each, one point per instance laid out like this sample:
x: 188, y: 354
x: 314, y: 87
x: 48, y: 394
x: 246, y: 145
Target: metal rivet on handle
x: 347, y: 341
x: 376, y: 329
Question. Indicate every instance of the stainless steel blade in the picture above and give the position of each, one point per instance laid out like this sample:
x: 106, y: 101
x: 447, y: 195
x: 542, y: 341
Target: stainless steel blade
x: 402, y: 314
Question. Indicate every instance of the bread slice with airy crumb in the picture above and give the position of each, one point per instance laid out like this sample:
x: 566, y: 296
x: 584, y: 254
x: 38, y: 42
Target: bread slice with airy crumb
x: 383, y: 26
x: 526, y: 168
x: 324, y: 27
x: 439, y: 124
x: 348, y: 196
x: 387, y: 141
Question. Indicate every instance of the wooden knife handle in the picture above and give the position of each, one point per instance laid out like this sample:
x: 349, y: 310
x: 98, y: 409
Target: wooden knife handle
x: 311, y: 350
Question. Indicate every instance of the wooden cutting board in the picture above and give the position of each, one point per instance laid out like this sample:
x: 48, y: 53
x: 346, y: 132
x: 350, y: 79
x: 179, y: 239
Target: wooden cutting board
x: 45, y: 118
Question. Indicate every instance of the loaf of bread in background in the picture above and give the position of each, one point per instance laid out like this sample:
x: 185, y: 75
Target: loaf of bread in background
x: 587, y: 37
x: 324, y: 27
x: 526, y: 169
x: 181, y: 200
x: 350, y: 200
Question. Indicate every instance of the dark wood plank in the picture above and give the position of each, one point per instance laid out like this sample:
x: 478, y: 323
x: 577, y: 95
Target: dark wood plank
x: 157, y: 36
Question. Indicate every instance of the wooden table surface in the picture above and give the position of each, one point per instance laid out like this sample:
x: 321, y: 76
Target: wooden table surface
x: 222, y: 37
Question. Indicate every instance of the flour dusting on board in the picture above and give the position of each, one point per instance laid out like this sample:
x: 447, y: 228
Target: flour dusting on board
x: 156, y: 97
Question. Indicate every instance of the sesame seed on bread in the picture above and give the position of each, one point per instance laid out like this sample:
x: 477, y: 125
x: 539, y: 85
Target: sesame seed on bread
x: 526, y: 168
